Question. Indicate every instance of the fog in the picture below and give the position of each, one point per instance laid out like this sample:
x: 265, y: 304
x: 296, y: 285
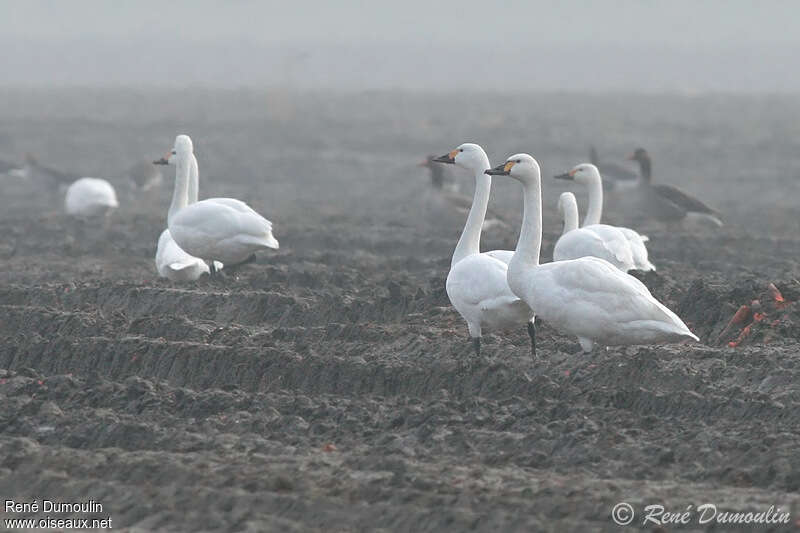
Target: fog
x: 629, y: 45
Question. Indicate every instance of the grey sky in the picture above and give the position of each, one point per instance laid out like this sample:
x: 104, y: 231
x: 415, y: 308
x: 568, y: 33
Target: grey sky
x: 679, y: 44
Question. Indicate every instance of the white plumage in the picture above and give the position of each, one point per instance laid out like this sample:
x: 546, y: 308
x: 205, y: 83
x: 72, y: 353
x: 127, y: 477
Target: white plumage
x: 216, y: 229
x: 586, y: 297
x: 90, y: 197
x: 615, y: 236
x: 598, y: 240
x: 476, y: 283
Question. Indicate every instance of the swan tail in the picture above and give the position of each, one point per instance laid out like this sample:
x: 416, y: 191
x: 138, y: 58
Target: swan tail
x: 271, y: 242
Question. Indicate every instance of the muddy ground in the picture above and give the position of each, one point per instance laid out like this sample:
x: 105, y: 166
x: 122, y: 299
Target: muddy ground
x: 330, y: 387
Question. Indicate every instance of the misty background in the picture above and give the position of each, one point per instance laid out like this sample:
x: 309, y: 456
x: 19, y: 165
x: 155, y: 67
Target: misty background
x: 631, y: 45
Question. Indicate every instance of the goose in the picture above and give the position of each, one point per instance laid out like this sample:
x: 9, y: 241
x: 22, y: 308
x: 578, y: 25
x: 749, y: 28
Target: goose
x: 447, y: 197
x: 591, y: 241
x: 48, y: 174
x: 90, y: 197
x: 144, y: 176
x: 617, y: 177
x: 586, y: 297
x: 171, y: 261
x: 588, y: 174
x: 216, y: 229
x: 476, y: 283
x: 12, y: 170
x: 667, y: 203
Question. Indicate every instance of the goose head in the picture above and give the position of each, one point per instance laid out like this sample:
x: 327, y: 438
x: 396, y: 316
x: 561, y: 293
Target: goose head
x: 521, y: 167
x: 640, y: 154
x: 585, y: 174
x: 468, y: 155
x: 183, y: 147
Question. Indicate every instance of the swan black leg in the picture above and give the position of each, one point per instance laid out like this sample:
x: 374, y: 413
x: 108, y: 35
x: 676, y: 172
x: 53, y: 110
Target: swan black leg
x: 532, y: 335
x: 212, y: 269
x: 476, y: 345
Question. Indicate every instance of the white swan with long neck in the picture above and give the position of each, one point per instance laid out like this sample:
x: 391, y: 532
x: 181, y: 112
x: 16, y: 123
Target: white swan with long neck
x: 598, y: 240
x: 587, y: 174
x: 171, y: 261
x: 476, y: 283
x: 586, y: 297
x: 216, y: 229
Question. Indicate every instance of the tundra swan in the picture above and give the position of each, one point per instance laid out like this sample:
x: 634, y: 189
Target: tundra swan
x: 476, y: 283
x: 587, y: 174
x: 586, y: 297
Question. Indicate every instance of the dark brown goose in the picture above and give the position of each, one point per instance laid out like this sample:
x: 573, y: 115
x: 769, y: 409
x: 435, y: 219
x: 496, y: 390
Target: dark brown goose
x: 666, y: 202
x: 615, y: 177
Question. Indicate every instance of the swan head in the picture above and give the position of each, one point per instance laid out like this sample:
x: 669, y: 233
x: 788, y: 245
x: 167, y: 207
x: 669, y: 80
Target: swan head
x: 468, y: 155
x: 585, y: 173
x: 521, y: 167
x: 183, y: 147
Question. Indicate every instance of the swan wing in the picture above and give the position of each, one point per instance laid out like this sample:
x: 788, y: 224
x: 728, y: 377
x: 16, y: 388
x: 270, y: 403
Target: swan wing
x: 501, y: 255
x: 592, y: 296
x: 638, y: 248
x: 586, y: 242
x: 216, y: 230
x: 479, y: 281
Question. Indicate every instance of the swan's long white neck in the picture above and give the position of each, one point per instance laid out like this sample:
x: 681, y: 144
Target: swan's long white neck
x: 180, y: 192
x: 194, y: 186
x: 529, y: 244
x: 595, y: 210
x: 570, y: 209
x: 470, y: 241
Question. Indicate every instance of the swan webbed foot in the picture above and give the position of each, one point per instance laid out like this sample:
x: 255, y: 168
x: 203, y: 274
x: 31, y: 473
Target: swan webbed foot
x: 532, y: 335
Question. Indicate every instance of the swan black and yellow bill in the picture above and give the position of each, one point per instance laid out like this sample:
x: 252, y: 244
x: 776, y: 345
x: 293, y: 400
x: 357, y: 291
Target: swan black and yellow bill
x: 447, y: 158
x: 501, y: 170
x: 566, y: 175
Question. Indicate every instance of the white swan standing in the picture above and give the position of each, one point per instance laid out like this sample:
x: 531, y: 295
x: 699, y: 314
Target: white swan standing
x: 171, y: 261
x: 90, y: 197
x: 586, y: 297
x: 596, y: 241
x: 476, y: 283
x: 215, y: 229
x: 587, y: 174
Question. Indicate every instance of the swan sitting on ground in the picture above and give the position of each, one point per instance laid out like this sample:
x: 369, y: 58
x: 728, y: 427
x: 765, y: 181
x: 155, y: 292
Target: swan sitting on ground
x: 578, y: 242
x: 599, y: 240
x: 171, y: 261
x: 90, y: 197
x: 587, y: 174
x: 215, y: 229
x: 476, y: 283
x: 586, y: 297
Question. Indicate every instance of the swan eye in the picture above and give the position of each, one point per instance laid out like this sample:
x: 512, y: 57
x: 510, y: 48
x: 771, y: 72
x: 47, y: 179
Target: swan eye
x: 173, y: 152
x: 519, y: 160
x: 460, y: 149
